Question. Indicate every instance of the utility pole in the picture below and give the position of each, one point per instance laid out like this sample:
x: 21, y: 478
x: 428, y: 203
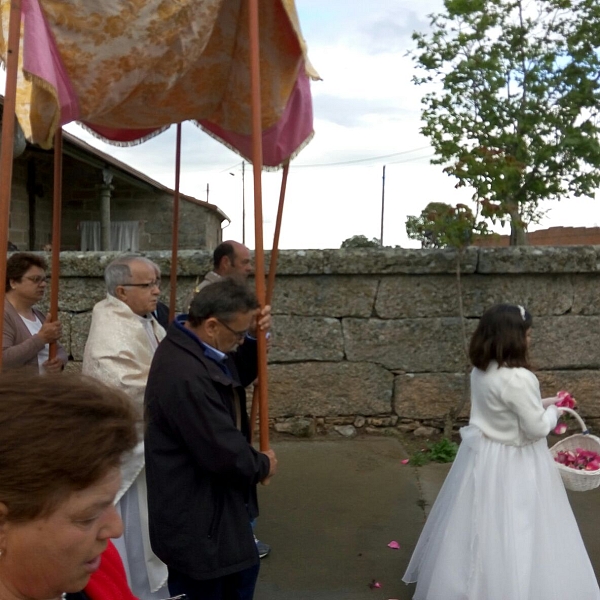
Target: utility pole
x: 382, y: 205
x: 207, y: 190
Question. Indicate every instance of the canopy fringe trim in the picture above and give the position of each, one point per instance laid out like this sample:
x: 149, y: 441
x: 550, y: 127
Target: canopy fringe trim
x: 119, y: 144
x: 268, y: 168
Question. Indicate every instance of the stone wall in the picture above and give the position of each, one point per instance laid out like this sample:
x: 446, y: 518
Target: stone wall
x: 371, y: 338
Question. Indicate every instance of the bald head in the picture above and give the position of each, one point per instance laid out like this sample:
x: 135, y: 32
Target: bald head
x: 232, y: 259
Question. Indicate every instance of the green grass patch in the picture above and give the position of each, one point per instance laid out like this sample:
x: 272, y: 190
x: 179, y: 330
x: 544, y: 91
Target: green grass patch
x: 443, y: 451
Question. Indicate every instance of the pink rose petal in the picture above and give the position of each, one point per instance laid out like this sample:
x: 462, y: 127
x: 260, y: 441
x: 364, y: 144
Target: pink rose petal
x: 405, y: 461
x: 581, y: 459
x: 560, y: 428
x: 565, y: 399
x: 374, y: 584
x: 394, y: 545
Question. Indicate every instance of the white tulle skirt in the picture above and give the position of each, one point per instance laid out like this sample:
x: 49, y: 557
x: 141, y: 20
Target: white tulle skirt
x: 501, y: 528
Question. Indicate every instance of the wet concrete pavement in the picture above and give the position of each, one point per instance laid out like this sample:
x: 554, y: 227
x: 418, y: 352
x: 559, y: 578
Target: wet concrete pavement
x: 334, y: 506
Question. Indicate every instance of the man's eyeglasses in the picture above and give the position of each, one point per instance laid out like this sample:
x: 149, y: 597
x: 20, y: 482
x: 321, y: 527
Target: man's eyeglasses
x: 240, y: 335
x: 150, y: 284
x: 37, y: 279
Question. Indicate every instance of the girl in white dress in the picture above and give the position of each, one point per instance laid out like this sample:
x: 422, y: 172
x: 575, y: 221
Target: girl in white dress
x: 502, y: 527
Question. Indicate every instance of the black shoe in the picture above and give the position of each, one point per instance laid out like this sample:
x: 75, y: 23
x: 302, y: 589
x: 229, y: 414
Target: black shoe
x: 263, y: 549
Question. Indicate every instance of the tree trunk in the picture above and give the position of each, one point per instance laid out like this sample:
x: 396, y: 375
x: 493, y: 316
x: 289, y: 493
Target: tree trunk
x: 455, y: 411
x: 518, y: 232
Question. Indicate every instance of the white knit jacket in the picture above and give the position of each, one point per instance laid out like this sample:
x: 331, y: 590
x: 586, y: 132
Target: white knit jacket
x: 506, y: 405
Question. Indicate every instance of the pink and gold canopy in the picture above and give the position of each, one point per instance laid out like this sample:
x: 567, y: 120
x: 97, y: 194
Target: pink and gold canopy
x: 128, y: 69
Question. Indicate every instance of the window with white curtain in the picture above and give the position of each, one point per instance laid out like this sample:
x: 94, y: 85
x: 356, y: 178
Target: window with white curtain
x: 124, y: 235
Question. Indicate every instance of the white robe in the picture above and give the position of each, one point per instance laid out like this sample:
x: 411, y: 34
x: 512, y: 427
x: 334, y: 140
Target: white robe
x: 119, y: 352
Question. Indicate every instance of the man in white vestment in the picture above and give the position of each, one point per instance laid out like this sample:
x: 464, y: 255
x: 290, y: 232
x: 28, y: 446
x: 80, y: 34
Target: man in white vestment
x: 122, y: 340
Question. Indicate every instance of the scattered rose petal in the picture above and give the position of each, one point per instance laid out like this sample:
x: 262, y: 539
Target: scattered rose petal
x: 374, y: 584
x: 560, y: 428
x: 405, y: 461
x: 394, y: 545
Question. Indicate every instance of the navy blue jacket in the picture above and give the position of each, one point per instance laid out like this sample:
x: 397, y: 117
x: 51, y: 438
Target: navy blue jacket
x: 201, y: 470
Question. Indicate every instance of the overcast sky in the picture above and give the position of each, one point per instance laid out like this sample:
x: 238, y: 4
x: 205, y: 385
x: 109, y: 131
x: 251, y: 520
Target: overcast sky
x: 367, y: 115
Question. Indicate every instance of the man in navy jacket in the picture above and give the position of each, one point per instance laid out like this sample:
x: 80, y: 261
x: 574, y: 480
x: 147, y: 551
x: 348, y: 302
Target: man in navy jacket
x: 201, y: 470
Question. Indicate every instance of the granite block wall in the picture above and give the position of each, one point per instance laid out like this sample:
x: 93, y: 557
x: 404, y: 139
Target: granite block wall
x: 372, y: 337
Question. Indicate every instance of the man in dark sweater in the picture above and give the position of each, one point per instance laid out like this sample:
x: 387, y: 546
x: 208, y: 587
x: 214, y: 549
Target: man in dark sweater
x: 201, y: 470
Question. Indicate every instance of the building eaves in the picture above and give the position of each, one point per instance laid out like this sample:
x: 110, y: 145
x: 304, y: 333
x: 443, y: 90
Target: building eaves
x: 114, y: 163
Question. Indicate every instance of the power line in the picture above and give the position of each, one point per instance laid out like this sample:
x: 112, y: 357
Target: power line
x: 359, y: 160
x: 397, y: 162
x: 237, y: 164
x: 350, y: 162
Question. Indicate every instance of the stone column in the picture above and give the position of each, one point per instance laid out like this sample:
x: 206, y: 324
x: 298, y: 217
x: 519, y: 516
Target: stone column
x: 105, y: 191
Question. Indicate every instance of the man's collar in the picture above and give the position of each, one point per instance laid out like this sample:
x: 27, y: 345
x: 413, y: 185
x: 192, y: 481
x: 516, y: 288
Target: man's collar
x: 209, y: 351
x: 113, y: 300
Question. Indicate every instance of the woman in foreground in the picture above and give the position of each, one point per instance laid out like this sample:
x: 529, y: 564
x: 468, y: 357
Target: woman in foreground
x: 502, y: 527
x: 61, y: 442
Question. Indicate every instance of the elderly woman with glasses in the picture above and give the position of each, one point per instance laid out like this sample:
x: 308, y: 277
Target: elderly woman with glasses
x: 62, y: 439
x: 27, y: 333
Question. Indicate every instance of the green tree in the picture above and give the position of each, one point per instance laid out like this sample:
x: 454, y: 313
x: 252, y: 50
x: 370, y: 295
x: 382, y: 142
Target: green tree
x: 514, y: 107
x: 360, y: 241
x: 443, y: 226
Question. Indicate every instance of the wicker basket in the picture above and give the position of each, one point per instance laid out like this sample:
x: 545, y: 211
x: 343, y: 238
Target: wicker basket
x: 574, y: 479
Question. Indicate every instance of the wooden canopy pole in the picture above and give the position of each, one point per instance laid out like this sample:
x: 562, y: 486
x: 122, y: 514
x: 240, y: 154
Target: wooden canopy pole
x: 271, y: 281
x: 175, y: 236
x: 6, y: 151
x: 56, y: 233
x: 275, y: 250
x: 259, y: 254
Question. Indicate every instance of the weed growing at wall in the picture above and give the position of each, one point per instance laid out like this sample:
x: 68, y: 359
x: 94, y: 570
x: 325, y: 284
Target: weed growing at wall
x: 443, y: 451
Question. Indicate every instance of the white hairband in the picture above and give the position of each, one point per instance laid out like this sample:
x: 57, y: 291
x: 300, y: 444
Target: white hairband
x: 522, y: 311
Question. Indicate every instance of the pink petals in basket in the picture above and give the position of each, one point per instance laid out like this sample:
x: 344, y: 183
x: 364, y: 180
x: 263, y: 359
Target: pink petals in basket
x: 583, y: 460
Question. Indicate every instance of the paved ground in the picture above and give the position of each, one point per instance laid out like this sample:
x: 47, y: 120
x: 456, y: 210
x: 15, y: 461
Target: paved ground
x: 335, y: 505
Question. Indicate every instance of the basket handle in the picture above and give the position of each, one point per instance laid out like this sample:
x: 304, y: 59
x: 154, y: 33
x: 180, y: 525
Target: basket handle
x: 584, y: 429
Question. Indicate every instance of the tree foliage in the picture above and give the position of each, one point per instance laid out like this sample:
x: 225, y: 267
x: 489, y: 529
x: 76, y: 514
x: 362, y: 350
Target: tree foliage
x: 514, y: 107
x: 360, y: 241
x: 441, y: 226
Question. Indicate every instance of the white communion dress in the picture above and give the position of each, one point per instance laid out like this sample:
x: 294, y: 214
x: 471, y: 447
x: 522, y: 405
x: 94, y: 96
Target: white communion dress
x: 502, y: 527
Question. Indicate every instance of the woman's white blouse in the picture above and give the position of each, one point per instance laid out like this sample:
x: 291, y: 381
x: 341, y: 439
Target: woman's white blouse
x: 34, y: 328
x: 506, y: 405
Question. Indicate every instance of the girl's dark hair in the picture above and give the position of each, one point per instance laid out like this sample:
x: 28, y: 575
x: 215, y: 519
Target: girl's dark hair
x: 501, y: 335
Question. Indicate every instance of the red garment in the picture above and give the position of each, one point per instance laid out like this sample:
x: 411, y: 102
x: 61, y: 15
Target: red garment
x: 109, y: 582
